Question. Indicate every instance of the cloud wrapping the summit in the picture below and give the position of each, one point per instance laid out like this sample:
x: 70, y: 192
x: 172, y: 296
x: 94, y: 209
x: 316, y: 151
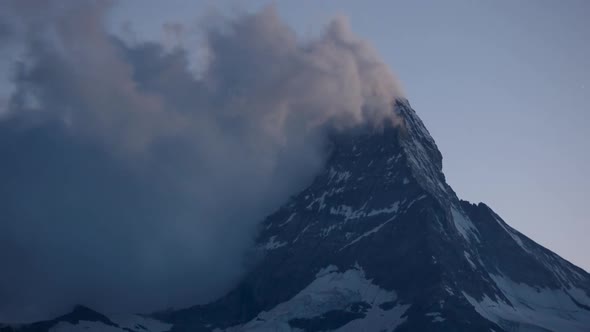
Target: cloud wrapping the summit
x: 130, y: 183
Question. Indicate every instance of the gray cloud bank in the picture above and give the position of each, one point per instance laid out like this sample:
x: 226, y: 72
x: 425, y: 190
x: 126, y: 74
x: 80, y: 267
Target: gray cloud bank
x: 129, y: 183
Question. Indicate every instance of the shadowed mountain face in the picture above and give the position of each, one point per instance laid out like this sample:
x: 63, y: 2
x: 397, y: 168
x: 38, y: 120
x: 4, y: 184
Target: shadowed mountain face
x: 380, y: 242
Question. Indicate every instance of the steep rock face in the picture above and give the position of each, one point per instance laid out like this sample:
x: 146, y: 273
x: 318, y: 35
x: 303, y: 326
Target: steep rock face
x: 413, y: 257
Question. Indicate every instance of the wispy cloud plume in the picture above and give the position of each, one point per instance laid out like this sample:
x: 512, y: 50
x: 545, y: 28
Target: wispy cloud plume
x: 129, y: 182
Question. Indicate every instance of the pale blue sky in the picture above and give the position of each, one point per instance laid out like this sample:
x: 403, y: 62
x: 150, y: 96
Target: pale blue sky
x: 503, y: 86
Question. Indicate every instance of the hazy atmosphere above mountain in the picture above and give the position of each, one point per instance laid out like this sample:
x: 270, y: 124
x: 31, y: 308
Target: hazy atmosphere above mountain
x: 158, y: 175
x: 142, y: 143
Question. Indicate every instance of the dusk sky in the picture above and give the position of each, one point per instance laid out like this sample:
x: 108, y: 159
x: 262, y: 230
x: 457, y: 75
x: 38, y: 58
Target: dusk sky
x: 503, y: 87
x: 121, y: 140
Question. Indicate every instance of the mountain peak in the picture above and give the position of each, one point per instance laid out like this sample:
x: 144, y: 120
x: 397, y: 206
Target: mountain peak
x: 83, y: 313
x: 423, y: 155
x: 380, y: 241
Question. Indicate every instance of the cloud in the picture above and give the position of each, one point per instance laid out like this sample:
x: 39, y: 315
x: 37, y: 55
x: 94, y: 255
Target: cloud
x: 130, y: 183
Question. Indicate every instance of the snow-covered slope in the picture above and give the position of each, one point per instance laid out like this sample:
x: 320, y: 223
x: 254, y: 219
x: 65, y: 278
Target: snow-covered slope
x: 380, y: 242
x: 346, y: 296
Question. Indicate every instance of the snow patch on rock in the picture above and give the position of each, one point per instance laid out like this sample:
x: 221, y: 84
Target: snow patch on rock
x: 465, y: 227
x: 393, y: 208
x: 512, y: 234
x: 273, y: 244
x: 288, y: 220
x: 372, y: 231
x: 337, y: 176
x: 436, y: 317
x: 553, y: 309
x: 332, y: 290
